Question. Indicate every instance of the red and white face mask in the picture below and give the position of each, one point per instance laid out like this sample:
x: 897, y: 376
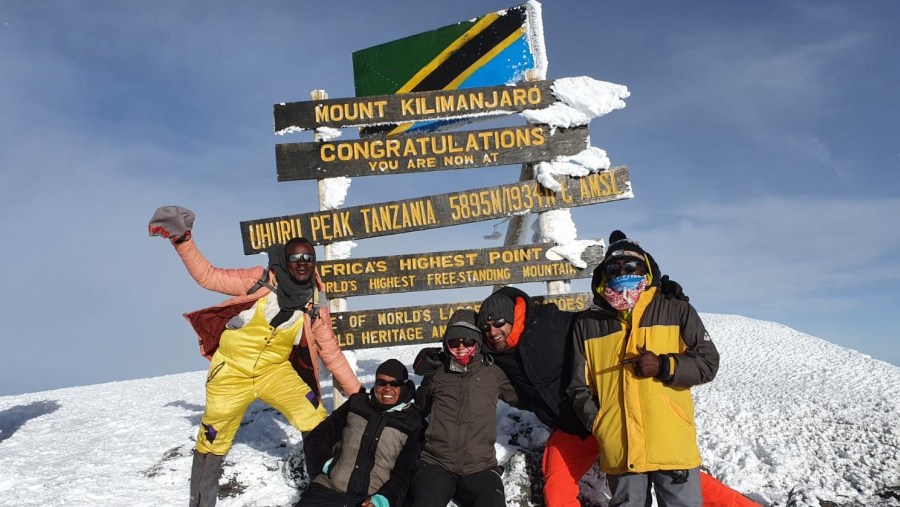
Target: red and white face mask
x: 462, y: 349
x: 622, y: 292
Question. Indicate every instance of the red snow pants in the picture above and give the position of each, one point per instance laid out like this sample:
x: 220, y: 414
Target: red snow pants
x: 566, y: 459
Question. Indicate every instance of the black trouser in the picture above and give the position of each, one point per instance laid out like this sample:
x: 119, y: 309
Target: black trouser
x: 432, y: 486
x: 317, y: 495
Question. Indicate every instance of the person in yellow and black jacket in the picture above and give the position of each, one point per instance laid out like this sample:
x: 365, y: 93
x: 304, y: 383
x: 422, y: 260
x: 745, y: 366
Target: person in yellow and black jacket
x: 636, y: 355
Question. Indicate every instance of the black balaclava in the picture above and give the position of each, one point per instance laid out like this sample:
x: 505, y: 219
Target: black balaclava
x: 292, y: 295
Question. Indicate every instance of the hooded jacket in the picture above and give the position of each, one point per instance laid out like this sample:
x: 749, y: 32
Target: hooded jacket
x: 539, y: 366
x: 377, y: 448
x: 317, y: 336
x: 461, y: 405
x: 643, y: 424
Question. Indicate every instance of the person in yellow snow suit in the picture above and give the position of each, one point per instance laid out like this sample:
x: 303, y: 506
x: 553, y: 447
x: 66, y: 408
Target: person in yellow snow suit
x: 263, y: 343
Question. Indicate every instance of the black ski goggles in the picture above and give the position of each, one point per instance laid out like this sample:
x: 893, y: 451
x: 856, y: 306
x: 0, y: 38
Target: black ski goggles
x: 628, y: 267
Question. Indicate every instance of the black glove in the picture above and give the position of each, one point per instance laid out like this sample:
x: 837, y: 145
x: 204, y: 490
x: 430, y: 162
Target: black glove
x: 648, y: 364
x: 671, y: 289
x: 428, y: 360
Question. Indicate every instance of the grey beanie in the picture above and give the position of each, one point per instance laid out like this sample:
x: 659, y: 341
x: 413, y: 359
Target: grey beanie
x: 496, y: 307
x: 462, y: 325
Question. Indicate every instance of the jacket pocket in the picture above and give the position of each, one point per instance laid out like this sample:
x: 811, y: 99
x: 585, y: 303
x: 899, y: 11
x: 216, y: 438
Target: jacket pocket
x: 677, y: 410
x: 213, y: 371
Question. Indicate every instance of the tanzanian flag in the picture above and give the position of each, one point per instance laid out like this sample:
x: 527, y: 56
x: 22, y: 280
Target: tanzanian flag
x: 494, y: 49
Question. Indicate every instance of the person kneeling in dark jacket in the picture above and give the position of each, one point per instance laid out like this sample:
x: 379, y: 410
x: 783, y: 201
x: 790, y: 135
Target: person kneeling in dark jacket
x: 379, y: 436
x: 459, y: 395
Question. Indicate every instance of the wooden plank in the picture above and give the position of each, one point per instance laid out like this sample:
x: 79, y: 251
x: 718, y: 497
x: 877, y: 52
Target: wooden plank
x: 415, y: 106
x: 442, y: 210
x: 425, y: 153
x: 504, y: 265
x: 417, y: 325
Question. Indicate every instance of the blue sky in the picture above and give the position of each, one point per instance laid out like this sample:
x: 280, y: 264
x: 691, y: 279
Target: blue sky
x: 761, y: 138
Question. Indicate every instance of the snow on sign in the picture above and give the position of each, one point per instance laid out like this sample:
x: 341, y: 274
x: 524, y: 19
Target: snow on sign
x: 413, y: 106
x: 451, y: 270
x: 428, y: 152
x: 415, y: 325
x: 494, y: 49
x: 441, y: 210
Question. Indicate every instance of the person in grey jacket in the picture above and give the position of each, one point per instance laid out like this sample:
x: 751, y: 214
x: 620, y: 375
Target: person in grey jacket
x: 459, y: 395
x: 364, y: 453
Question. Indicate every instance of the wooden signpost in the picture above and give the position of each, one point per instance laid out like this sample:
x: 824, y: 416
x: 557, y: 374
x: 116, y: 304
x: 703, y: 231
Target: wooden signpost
x: 457, y: 73
x: 442, y: 210
x: 450, y: 270
x: 429, y: 152
x: 411, y: 107
x: 418, y: 325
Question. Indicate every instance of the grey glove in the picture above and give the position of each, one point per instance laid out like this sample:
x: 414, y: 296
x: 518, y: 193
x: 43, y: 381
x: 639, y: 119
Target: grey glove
x: 172, y: 222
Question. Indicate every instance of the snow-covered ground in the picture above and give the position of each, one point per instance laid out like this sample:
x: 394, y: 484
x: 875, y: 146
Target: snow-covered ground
x: 790, y: 420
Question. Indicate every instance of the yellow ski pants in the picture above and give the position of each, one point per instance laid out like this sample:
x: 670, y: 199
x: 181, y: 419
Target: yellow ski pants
x: 229, y: 393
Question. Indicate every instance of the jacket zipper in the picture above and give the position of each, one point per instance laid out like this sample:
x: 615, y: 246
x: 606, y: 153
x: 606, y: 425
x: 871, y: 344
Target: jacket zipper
x: 265, y: 346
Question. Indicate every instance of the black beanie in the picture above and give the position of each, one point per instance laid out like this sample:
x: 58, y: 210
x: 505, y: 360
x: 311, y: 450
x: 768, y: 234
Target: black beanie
x: 620, y: 246
x: 393, y: 368
x: 496, y: 307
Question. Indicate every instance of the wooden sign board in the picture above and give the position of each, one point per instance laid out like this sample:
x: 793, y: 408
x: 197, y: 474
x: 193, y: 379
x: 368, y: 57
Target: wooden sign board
x: 451, y: 270
x: 417, y: 325
x: 416, y: 106
x: 442, y: 210
x: 425, y: 153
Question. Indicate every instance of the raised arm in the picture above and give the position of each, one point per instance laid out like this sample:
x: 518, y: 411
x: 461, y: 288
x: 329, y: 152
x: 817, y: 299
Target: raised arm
x: 233, y: 282
x: 175, y: 224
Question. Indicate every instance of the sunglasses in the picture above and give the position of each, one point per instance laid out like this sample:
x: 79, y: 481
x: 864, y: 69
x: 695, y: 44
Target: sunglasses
x: 305, y: 257
x: 628, y: 267
x: 380, y: 382
x: 496, y: 323
x: 454, y: 342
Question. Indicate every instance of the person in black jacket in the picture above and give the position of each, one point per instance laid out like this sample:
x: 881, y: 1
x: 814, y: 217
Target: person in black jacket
x: 379, y: 437
x: 459, y: 395
x: 531, y: 344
